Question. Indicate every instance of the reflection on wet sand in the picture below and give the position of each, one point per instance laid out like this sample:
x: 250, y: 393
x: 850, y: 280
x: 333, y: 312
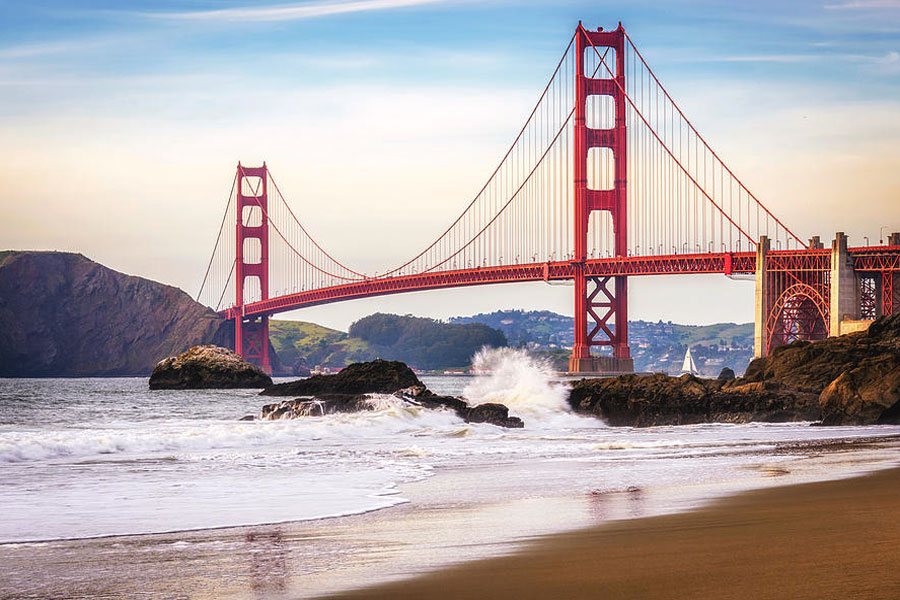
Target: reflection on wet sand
x: 267, y: 561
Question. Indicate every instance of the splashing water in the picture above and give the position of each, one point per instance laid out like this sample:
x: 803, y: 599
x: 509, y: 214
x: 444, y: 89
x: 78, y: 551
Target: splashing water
x: 524, y: 383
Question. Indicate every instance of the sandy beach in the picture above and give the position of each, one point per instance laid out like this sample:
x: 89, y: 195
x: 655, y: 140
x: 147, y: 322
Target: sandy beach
x: 833, y: 539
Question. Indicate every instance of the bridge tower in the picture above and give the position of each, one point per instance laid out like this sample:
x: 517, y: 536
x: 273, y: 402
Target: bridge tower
x: 251, y: 335
x: 609, y: 295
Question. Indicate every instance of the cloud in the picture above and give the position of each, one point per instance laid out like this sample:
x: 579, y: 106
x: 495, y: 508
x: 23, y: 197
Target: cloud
x: 770, y: 58
x: 888, y: 64
x: 864, y: 4
x: 51, y: 48
x: 289, y: 12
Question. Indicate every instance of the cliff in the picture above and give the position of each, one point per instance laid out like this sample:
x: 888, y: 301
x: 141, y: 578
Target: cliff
x: 64, y: 315
x: 852, y: 379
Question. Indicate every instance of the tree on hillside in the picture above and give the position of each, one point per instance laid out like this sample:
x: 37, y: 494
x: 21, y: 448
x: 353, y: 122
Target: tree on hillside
x: 425, y: 343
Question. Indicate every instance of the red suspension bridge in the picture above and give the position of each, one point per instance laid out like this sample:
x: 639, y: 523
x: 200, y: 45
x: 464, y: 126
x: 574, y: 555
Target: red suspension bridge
x: 606, y: 180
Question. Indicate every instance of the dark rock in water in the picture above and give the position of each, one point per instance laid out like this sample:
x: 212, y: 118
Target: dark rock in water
x: 351, y: 389
x: 207, y: 367
x: 648, y: 400
x: 495, y: 414
x: 375, y: 377
x: 328, y: 404
x: 726, y: 374
x: 248, y: 418
x: 850, y: 379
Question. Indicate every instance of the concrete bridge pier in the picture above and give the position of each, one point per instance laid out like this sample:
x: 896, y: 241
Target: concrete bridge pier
x: 761, y: 311
x: 844, y: 301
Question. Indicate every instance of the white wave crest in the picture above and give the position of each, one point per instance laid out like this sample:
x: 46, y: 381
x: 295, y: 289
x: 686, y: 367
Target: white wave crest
x: 524, y: 383
x: 390, y: 416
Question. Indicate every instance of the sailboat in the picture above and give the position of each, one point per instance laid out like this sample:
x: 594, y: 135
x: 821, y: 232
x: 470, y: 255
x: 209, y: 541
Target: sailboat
x: 689, y: 366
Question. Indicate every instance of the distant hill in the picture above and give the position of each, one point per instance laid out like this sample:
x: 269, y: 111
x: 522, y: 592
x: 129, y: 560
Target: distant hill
x: 420, y: 342
x: 64, y: 315
x: 316, y: 345
x: 425, y: 343
x: 655, y: 346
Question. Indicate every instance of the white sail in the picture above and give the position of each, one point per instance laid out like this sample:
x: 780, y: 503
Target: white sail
x: 689, y: 366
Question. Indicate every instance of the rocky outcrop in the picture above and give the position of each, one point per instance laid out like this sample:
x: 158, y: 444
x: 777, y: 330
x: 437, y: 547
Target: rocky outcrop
x: 495, y: 414
x: 851, y: 379
x: 63, y: 315
x: 207, y: 367
x: 375, y: 377
x: 352, y: 389
x: 647, y: 400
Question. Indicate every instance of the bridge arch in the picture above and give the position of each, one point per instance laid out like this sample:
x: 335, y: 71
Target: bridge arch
x: 800, y: 312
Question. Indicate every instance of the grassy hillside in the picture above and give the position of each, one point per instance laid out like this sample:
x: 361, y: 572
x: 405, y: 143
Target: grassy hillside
x: 420, y: 342
x: 731, y: 333
x: 317, y: 344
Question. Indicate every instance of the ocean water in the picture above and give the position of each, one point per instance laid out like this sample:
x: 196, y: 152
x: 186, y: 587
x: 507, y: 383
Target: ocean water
x: 82, y: 458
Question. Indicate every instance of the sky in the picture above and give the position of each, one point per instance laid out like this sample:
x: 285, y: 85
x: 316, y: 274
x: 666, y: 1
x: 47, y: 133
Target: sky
x: 121, y: 124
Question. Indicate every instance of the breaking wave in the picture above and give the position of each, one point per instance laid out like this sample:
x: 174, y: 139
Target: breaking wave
x: 526, y: 384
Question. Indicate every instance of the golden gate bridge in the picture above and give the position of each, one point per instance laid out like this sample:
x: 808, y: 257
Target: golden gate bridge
x: 606, y: 180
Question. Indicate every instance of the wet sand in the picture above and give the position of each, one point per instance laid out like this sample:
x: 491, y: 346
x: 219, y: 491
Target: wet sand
x: 834, y: 539
x: 466, y: 516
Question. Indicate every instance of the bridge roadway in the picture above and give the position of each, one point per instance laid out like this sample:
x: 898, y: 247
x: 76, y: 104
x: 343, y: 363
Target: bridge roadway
x: 874, y: 258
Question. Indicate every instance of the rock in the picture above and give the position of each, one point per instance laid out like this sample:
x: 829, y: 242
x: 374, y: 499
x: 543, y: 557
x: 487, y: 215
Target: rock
x: 850, y: 379
x: 207, y: 367
x: 869, y: 393
x: 375, y: 377
x: 649, y: 400
x: 248, y: 418
x: 727, y: 374
x: 495, y: 414
x: 317, y: 407
x: 350, y: 391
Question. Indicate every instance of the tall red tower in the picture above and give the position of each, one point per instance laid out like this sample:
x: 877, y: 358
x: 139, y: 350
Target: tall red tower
x: 601, y: 302
x: 251, y: 335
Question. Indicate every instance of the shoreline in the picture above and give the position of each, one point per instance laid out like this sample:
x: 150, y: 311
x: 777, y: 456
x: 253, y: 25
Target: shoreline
x: 442, y: 526
x: 825, y: 539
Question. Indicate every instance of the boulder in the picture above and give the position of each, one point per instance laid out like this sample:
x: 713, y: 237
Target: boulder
x: 495, y: 414
x: 375, y: 377
x: 207, y: 367
x: 658, y: 399
x: 316, y: 407
x: 850, y: 379
x: 726, y: 374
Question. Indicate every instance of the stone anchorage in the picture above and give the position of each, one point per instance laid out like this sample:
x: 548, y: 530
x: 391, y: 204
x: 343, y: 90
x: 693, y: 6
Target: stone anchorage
x: 351, y: 390
x: 852, y: 379
x: 207, y: 367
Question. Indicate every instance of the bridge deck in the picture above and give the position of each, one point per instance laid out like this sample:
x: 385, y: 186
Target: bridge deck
x: 877, y: 258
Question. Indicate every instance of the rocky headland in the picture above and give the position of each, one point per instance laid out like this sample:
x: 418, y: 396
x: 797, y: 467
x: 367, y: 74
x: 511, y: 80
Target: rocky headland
x: 351, y: 390
x: 64, y: 315
x: 207, y: 367
x: 852, y: 379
